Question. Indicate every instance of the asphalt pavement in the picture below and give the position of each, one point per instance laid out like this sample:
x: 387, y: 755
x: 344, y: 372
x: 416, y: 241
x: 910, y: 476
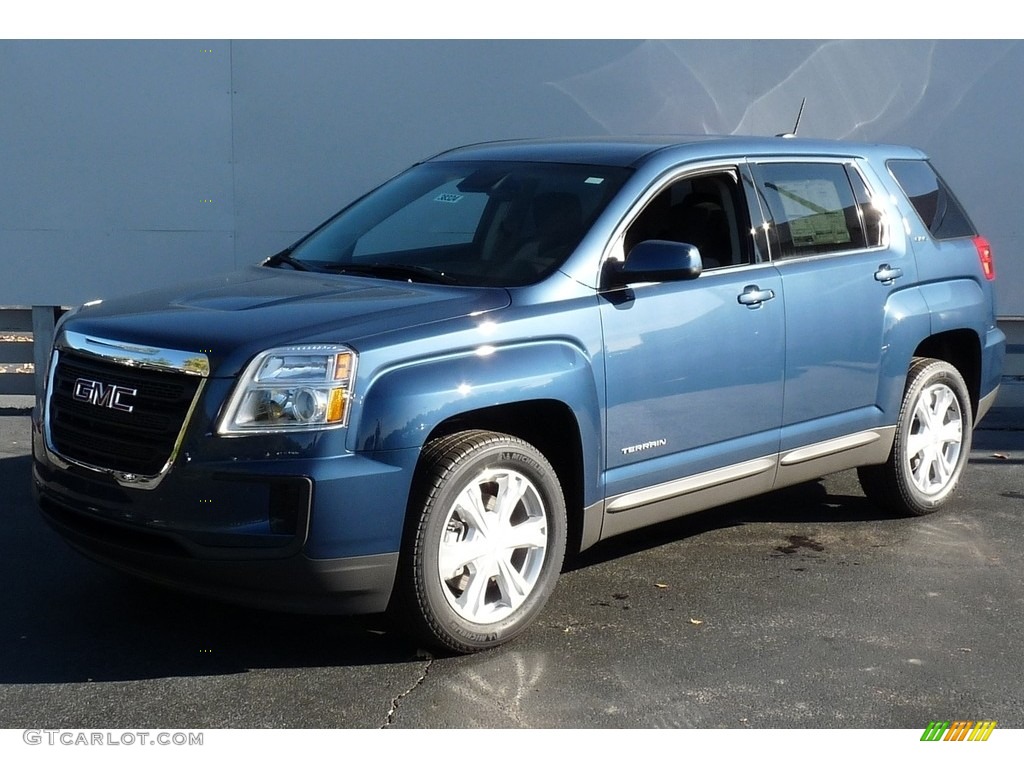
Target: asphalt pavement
x: 804, y: 608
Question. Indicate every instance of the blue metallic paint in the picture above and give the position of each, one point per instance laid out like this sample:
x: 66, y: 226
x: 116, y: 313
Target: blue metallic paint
x: 906, y: 324
x: 233, y: 317
x: 687, y: 363
x: 681, y: 362
x: 404, y: 405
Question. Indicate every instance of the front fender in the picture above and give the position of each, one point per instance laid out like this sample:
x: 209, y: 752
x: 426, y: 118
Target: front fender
x: 403, y: 404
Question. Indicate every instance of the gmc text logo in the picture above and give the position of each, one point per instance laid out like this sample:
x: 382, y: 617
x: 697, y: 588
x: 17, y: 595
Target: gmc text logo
x: 103, y: 395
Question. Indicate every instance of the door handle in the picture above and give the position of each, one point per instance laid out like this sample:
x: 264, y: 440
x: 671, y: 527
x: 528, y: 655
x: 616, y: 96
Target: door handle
x: 886, y: 275
x: 754, y: 297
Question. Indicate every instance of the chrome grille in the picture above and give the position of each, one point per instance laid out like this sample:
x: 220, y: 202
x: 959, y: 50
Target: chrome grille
x: 138, y: 442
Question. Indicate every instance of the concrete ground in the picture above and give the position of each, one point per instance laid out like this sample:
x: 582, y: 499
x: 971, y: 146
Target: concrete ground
x: 804, y: 608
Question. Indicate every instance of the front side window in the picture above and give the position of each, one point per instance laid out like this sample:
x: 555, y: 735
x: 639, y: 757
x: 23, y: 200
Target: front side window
x: 815, y: 211
x: 706, y: 211
x: 481, y: 223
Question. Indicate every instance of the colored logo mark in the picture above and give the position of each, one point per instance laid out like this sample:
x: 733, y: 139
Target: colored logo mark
x: 959, y: 730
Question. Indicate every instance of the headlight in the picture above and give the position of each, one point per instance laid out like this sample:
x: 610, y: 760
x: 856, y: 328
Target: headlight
x: 292, y: 388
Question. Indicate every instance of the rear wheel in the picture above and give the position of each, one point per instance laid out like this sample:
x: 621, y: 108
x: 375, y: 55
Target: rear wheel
x: 487, y: 541
x: 933, y: 440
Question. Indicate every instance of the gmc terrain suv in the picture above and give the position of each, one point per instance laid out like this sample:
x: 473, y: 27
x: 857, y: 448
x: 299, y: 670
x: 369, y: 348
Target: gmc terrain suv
x: 516, y: 347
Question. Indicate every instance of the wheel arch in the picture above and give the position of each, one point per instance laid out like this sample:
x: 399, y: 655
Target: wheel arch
x: 925, y: 322
x: 551, y: 427
x: 544, y: 392
x: 961, y: 348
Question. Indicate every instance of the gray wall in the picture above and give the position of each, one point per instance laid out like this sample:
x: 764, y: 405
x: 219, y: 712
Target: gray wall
x: 129, y: 164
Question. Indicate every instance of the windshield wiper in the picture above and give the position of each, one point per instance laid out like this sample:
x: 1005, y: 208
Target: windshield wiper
x: 410, y: 272
x: 285, y: 257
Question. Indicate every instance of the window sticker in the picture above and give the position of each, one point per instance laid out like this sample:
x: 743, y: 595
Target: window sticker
x: 447, y: 197
x: 814, y: 212
x: 594, y: 180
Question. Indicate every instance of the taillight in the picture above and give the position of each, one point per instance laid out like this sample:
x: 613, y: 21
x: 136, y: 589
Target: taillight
x: 985, y: 256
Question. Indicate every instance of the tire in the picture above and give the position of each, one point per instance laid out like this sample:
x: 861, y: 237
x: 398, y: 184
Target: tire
x: 484, y: 543
x: 933, y: 440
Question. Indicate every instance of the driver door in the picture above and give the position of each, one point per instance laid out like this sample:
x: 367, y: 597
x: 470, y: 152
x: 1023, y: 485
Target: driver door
x: 694, y: 368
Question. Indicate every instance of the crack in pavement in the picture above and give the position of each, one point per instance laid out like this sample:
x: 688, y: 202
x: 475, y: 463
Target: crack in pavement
x: 390, y: 719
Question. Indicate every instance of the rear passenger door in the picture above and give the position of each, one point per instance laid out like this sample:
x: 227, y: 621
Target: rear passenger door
x: 831, y: 242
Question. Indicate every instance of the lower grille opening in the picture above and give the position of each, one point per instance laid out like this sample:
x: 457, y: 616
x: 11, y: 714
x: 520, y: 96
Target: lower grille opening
x: 289, y: 503
x: 111, y: 533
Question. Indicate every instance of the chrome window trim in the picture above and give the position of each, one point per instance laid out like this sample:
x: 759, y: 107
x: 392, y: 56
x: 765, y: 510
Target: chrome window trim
x: 613, y: 250
x: 845, y: 161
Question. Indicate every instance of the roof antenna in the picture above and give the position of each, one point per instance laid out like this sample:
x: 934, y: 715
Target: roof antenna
x: 796, y: 126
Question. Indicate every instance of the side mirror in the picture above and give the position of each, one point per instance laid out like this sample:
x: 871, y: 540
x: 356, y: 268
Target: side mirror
x: 656, y: 261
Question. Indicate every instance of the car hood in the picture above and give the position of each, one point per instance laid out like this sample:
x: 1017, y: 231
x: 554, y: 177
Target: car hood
x: 232, y: 317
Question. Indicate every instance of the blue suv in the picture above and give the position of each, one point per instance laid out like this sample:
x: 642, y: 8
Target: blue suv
x: 518, y: 347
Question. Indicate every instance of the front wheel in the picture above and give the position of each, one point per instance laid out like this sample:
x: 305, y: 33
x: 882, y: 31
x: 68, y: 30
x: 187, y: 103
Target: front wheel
x: 933, y: 440
x: 487, y: 541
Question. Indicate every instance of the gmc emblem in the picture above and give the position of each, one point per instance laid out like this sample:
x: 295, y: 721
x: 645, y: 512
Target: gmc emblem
x: 103, y: 395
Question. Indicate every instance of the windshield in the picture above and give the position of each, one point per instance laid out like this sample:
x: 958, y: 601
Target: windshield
x: 479, y: 223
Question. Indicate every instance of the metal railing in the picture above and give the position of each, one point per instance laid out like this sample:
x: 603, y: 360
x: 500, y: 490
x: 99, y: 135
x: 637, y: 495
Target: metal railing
x: 1013, y: 327
x: 26, y: 335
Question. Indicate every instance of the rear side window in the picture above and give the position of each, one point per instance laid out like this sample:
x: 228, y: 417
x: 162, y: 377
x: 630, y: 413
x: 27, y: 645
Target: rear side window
x: 815, y: 209
x: 932, y: 199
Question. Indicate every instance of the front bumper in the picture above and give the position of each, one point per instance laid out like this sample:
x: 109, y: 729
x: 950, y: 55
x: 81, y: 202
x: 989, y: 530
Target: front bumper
x: 312, y: 535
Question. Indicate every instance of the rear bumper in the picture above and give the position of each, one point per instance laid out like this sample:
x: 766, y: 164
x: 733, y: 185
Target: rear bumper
x: 985, y: 403
x: 993, y: 360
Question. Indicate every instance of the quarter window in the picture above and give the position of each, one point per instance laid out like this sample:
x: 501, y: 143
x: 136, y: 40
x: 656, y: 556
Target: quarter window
x: 931, y: 198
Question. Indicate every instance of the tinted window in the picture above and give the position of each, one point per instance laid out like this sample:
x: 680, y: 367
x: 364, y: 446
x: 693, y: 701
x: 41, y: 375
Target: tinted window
x: 932, y: 199
x: 444, y: 216
x: 706, y: 211
x: 813, y: 208
x: 471, y: 223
